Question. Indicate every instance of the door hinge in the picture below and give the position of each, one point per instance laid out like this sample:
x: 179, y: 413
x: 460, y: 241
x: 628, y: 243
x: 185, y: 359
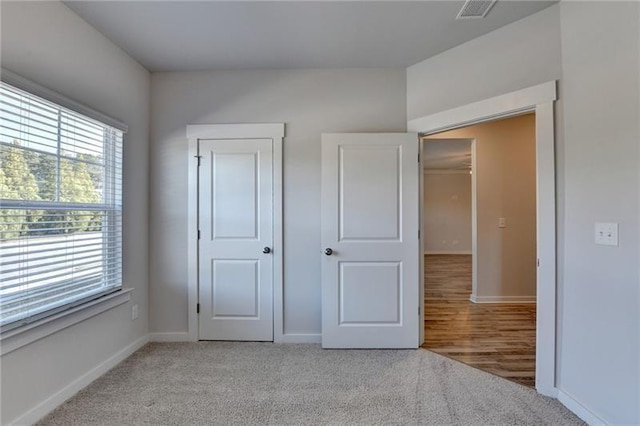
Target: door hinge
x: 538, y: 263
x: 418, y: 234
x: 418, y: 310
x: 197, y: 308
x: 199, y: 157
x: 418, y: 158
x: 199, y: 234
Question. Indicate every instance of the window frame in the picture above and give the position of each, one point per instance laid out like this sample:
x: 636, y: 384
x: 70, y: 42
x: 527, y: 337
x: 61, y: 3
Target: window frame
x: 15, y: 337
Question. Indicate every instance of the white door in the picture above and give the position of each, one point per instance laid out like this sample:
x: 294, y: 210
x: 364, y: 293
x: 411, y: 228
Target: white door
x: 370, y: 243
x: 235, y: 246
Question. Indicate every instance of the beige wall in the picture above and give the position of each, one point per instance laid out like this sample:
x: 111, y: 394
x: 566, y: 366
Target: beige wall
x: 447, y: 213
x: 505, y: 188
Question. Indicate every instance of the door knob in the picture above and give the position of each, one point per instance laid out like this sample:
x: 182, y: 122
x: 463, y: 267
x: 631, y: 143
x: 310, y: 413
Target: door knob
x: 266, y: 250
x: 328, y: 251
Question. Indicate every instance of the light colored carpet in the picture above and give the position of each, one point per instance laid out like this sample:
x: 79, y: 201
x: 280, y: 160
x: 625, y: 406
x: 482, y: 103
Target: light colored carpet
x: 219, y: 383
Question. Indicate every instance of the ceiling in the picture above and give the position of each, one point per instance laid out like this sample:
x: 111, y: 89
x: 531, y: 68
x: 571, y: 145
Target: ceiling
x: 205, y: 35
x: 447, y: 154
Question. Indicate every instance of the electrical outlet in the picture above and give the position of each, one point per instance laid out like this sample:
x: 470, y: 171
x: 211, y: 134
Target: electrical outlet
x: 502, y: 222
x: 606, y: 234
x: 134, y: 312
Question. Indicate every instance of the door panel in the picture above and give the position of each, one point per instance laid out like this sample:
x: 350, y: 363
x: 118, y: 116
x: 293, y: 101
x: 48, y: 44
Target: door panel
x: 370, y: 223
x: 362, y: 192
x: 235, y: 192
x: 381, y: 281
x: 235, y: 286
x: 236, y: 224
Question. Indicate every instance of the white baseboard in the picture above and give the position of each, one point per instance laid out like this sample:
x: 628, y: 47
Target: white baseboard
x: 51, y: 403
x: 502, y: 299
x: 465, y: 252
x: 285, y: 338
x: 551, y: 392
x: 301, y: 338
x: 178, y: 336
x: 579, y: 410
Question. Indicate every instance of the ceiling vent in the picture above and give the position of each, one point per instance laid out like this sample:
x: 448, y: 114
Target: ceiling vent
x: 474, y: 9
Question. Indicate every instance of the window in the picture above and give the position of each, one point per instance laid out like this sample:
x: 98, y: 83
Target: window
x: 60, y: 208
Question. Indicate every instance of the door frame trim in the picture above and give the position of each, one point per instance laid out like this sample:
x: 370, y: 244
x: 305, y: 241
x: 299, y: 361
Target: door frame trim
x: 539, y: 99
x: 195, y: 132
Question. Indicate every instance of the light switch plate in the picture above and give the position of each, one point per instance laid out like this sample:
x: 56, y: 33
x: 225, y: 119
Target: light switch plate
x: 606, y: 234
x: 502, y: 222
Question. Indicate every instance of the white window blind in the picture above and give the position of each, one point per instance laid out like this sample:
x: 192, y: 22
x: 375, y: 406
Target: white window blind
x: 60, y: 208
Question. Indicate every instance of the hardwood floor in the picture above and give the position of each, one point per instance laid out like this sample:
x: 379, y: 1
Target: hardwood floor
x: 497, y: 338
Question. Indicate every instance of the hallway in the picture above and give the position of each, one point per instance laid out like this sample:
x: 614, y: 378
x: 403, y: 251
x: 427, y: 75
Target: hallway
x: 497, y: 338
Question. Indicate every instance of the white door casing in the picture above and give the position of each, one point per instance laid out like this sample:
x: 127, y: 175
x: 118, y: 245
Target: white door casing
x: 237, y: 132
x: 236, y: 239
x: 539, y: 99
x: 370, y: 222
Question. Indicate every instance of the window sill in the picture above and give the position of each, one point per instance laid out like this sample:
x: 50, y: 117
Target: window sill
x: 22, y: 336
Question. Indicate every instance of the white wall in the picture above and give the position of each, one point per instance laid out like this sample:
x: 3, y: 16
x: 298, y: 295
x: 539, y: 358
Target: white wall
x: 505, y: 174
x: 309, y: 102
x: 447, y: 212
x: 600, y: 357
x: 597, y: 174
x: 522, y: 54
x: 47, y: 43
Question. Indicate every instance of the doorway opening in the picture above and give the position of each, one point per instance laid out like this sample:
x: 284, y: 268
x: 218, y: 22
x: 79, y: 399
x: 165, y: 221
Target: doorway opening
x: 539, y: 99
x: 479, y: 222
